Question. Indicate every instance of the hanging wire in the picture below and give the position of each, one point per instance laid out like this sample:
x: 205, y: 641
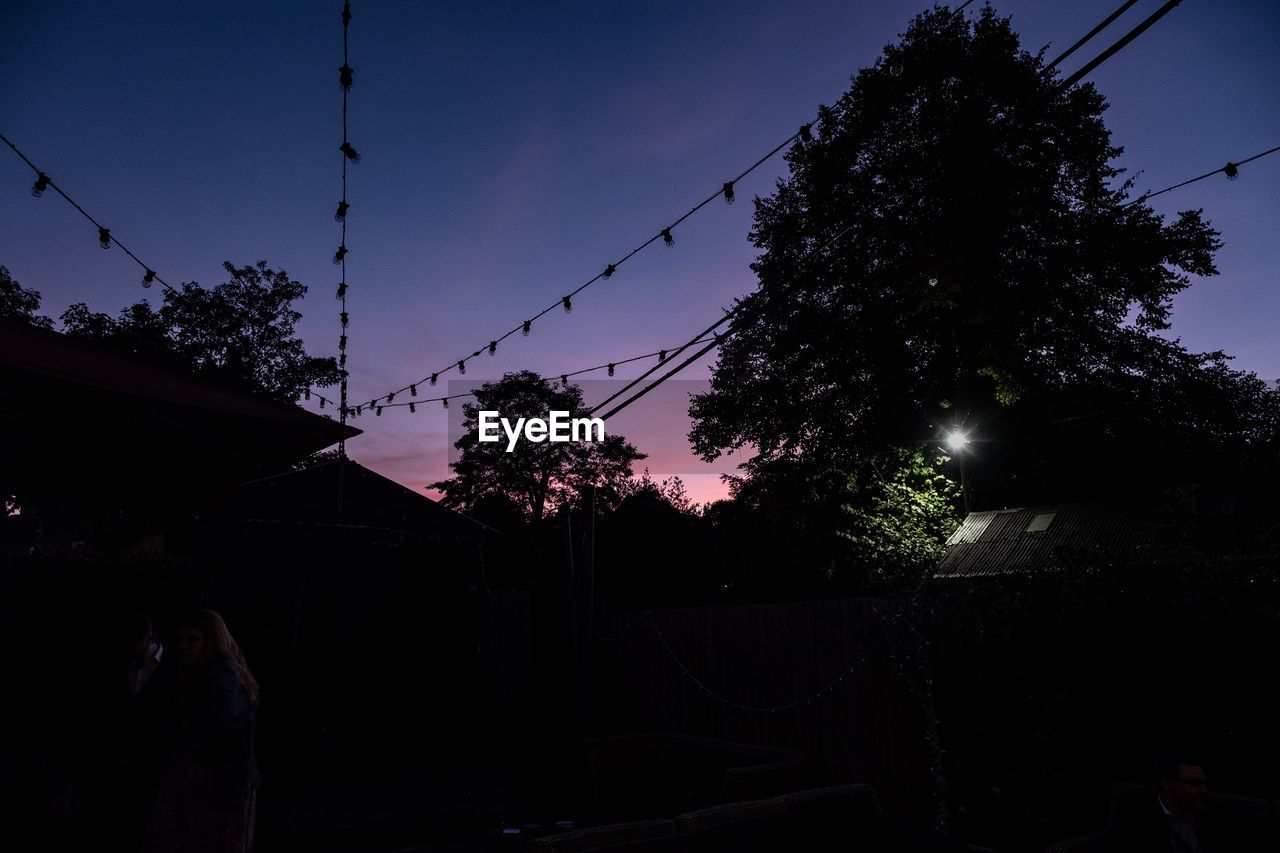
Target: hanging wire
x: 665, y: 235
x: 105, y: 237
x: 559, y: 377
x: 813, y: 254
x: 703, y: 687
x: 345, y: 75
x: 805, y: 133
x: 1231, y: 170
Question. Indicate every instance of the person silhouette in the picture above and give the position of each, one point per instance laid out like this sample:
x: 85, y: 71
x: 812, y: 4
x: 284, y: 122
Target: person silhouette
x: 1175, y: 818
x: 207, y: 794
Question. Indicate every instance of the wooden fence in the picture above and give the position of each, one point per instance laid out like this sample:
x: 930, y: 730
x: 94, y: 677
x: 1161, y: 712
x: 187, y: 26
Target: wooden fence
x: 844, y: 681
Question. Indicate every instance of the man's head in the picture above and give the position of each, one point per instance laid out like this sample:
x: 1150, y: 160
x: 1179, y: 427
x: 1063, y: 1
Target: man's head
x: 1183, y: 786
x: 135, y: 637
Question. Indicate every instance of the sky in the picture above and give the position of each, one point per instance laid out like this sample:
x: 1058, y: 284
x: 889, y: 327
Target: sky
x: 511, y: 150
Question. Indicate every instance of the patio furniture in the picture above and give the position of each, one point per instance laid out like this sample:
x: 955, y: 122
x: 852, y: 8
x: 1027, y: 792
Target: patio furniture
x: 623, y: 835
x: 630, y: 777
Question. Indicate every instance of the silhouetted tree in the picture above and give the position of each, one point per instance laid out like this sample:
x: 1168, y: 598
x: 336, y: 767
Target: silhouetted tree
x: 20, y: 303
x: 955, y: 245
x: 240, y: 333
x: 655, y: 548
x: 535, y: 476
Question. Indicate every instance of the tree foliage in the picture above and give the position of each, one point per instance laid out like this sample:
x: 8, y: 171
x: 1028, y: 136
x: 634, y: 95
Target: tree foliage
x: 240, y: 333
x: 20, y: 303
x: 535, y: 477
x: 856, y: 528
x: 955, y: 244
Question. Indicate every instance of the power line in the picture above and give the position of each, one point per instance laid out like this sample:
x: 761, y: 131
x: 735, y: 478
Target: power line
x: 1102, y: 25
x: 1115, y: 48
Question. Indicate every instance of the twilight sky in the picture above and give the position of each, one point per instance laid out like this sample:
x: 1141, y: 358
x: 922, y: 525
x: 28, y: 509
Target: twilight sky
x: 512, y: 150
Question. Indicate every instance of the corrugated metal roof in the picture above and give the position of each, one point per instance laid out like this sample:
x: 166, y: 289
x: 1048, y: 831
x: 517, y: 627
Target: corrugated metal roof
x: 1037, y: 538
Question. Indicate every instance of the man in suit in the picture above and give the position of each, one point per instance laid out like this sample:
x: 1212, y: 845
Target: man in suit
x: 1175, y: 818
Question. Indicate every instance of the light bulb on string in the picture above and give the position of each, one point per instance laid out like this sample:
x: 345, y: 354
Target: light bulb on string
x: 341, y: 214
x: 391, y: 396
x: 567, y: 303
x: 147, y: 278
x: 413, y: 390
x: 462, y: 366
x: 41, y: 184
x: 609, y: 271
x: 413, y: 407
x: 445, y: 401
x: 493, y: 347
x: 728, y: 192
x: 528, y: 324
x: 340, y: 255
x: 434, y: 376
x: 667, y: 238
x: 611, y: 370
x: 349, y: 152
x: 379, y: 411
x: 343, y: 318
x: 662, y: 356
x: 345, y: 73
x: 1232, y: 171
x: 342, y: 290
x: 104, y: 237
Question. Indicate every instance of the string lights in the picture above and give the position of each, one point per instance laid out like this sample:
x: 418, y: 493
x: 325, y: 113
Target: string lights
x: 665, y: 235
x: 1231, y: 170
x: 345, y: 76
x: 562, y: 378
x: 44, y: 183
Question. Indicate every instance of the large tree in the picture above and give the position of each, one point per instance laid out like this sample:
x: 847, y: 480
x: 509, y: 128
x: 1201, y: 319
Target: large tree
x: 536, y: 477
x: 956, y: 245
x: 240, y: 333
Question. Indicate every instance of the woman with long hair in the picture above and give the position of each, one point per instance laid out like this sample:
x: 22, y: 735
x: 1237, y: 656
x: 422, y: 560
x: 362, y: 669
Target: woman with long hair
x: 208, y: 786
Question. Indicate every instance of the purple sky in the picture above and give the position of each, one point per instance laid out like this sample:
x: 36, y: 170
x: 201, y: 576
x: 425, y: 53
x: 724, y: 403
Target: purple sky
x: 510, y: 151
